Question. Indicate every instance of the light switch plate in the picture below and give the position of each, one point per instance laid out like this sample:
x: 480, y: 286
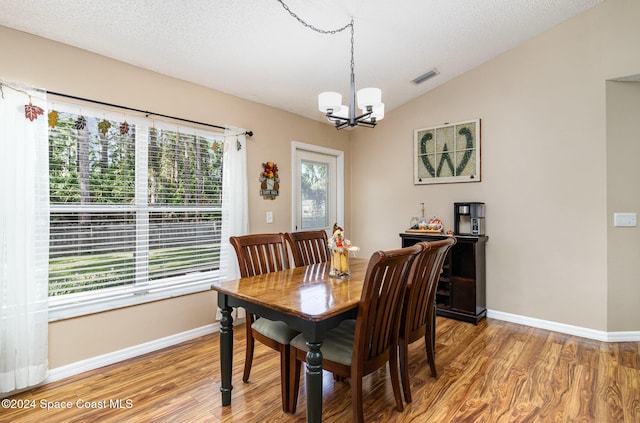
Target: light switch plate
x: 625, y: 219
x: 269, y: 217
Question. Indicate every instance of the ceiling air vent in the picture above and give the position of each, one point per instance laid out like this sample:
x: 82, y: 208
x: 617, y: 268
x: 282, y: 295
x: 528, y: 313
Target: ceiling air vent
x: 430, y: 74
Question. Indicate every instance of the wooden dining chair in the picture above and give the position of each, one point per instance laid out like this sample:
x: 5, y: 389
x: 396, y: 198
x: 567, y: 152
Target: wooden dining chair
x: 356, y: 348
x: 308, y: 247
x: 418, y: 315
x: 258, y: 254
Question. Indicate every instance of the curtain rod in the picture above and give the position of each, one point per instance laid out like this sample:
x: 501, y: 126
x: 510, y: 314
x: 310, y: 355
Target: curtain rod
x: 147, y: 113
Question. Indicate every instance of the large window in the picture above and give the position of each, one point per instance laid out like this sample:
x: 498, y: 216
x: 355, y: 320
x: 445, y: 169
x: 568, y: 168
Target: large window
x: 135, y: 210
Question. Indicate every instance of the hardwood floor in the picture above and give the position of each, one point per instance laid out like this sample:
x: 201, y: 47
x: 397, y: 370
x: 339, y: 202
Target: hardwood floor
x: 493, y: 372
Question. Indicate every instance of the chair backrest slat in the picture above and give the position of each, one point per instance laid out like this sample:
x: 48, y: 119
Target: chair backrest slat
x: 308, y: 247
x: 260, y: 253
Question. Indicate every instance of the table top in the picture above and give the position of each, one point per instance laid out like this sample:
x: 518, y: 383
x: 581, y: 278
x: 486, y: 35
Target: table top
x: 306, y: 291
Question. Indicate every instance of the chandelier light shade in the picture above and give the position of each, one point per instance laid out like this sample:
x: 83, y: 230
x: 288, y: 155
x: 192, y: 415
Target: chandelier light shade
x: 343, y: 112
x: 377, y: 113
x: 369, y: 97
x: 329, y: 101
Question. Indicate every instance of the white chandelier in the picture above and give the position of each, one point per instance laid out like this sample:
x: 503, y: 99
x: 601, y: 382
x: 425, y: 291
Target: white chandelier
x: 369, y: 100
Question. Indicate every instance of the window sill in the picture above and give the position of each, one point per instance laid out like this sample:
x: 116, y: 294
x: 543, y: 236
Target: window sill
x: 126, y: 299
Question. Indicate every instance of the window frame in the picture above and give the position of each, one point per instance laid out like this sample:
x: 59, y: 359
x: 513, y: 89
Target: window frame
x: 142, y: 290
x: 300, y: 147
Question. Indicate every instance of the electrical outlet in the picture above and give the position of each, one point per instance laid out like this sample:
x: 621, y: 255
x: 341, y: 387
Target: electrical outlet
x: 625, y: 219
x: 269, y: 217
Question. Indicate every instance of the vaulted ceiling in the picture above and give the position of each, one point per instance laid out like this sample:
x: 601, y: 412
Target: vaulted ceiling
x: 256, y: 50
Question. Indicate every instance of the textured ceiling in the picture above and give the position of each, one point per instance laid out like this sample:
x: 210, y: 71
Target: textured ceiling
x: 255, y: 50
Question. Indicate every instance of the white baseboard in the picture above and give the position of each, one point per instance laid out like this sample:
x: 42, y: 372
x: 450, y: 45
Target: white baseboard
x: 126, y: 353
x: 624, y: 336
x: 631, y: 336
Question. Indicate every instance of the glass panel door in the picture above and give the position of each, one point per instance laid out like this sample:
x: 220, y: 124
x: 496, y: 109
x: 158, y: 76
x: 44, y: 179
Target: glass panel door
x: 314, y: 195
x: 318, y: 202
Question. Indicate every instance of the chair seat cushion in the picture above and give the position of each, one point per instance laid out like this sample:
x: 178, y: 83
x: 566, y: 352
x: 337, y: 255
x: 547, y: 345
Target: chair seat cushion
x: 276, y: 330
x: 337, y: 346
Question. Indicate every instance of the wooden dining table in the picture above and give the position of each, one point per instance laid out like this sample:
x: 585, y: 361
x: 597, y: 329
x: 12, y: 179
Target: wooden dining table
x: 307, y: 299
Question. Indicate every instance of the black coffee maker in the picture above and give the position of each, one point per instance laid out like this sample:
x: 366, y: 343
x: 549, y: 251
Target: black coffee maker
x: 469, y: 218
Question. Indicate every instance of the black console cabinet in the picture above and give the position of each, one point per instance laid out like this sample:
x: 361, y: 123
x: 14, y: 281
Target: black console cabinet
x: 462, y: 288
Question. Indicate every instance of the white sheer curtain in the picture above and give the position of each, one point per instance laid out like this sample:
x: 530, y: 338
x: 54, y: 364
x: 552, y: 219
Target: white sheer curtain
x: 235, y: 199
x: 24, y: 238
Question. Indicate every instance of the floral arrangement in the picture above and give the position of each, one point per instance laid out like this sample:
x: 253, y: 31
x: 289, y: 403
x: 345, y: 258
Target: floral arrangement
x: 270, y: 170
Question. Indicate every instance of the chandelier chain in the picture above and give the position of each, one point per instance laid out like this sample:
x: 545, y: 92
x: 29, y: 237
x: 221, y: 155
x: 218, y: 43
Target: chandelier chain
x: 353, y: 64
x: 368, y: 118
x: 322, y: 31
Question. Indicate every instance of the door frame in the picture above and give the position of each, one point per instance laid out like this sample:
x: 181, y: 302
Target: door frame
x: 339, y: 155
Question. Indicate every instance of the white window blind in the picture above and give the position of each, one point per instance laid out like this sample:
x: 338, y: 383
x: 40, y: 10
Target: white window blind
x: 135, y: 210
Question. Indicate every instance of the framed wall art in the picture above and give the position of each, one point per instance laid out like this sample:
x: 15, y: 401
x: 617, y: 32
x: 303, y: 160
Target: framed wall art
x: 447, y: 153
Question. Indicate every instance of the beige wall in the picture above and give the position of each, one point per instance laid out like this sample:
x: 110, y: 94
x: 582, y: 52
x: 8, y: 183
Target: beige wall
x: 546, y: 179
x: 74, y: 340
x: 60, y: 68
x: 623, y: 195
x: 544, y: 171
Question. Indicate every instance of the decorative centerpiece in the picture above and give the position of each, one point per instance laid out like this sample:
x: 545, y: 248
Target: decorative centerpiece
x: 340, y: 248
x: 434, y: 225
x: 431, y: 226
x: 269, y: 181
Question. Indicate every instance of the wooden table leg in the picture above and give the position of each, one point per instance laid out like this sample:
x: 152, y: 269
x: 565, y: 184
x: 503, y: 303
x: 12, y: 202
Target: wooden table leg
x: 314, y: 382
x: 226, y: 353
